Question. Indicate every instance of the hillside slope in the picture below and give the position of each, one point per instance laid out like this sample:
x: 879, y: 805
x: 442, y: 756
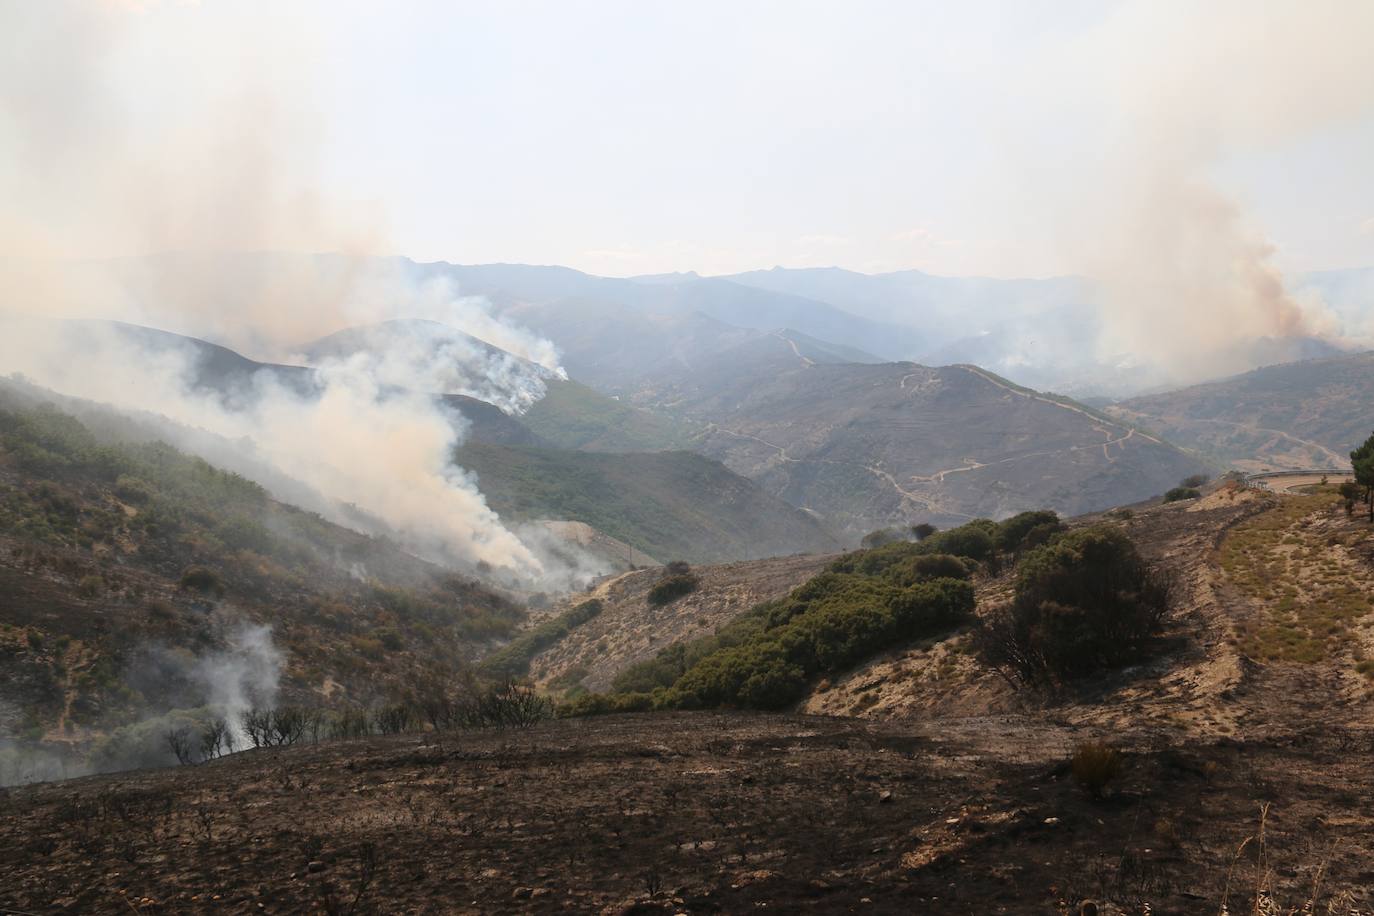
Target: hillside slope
x: 671, y: 505
x: 866, y: 446
x: 570, y: 415
x: 1292, y: 415
x: 921, y: 796
x: 138, y: 581
x: 629, y: 629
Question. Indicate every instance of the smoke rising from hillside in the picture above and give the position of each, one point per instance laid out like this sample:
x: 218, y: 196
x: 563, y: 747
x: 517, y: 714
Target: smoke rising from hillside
x: 353, y: 440
x: 1186, y: 274
x: 245, y: 675
x: 193, y: 130
x: 222, y: 683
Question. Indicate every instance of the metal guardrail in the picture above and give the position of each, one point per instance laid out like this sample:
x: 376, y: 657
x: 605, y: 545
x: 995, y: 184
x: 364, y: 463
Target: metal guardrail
x: 1258, y: 480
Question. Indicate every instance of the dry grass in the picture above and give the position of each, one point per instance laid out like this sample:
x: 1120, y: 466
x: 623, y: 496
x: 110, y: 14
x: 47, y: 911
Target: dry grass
x: 1295, y: 562
x: 1251, y: 880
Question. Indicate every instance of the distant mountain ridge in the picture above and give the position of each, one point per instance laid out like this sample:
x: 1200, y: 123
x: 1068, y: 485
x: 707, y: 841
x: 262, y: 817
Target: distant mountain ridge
x: 1293, y: 415
x: 867, y: 446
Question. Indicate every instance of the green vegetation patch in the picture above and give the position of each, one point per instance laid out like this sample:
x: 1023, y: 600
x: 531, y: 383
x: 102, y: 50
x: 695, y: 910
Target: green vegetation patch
x: 865, y: 603
x: 1085, y: 601
x: 573, y: 416
x: 513, y: 659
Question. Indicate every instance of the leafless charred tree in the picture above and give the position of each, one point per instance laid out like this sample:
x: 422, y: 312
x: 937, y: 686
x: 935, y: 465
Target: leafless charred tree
x: 280, y: 726
x: 182, y: 746
x: 394, y: 719
x: 216, y: 739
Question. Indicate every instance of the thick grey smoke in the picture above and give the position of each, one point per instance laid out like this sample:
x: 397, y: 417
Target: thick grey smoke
x: 162, y: 127
x: 387, y: 450
x: 1186, y: 274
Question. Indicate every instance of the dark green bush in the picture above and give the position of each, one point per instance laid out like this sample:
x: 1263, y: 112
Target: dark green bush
x: 1181, y: 493
x: 923, y: 530
x: 1012, y: 533
x: 600, y: 704
x: 929, y: 566
x: 827, y: 626
x: 973, y: 541
x: 881, y: 538
x: 1084, y: 602
x: 670, y: 588
x: 513, y: 659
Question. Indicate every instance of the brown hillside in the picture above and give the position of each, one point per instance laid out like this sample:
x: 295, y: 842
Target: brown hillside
x: 629, y: 629
x: 1294, y: 415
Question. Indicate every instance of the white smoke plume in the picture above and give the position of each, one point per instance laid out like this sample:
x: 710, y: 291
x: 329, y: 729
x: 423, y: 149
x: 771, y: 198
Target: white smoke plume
x: 1186, y: 274
x: 151, y: 128
x: 387, y: 450
x: 223, y: 684
x: 244, y: 675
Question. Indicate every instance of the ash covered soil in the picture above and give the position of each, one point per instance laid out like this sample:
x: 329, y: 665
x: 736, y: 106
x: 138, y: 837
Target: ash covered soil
x: 698, y: 812
x: 1247, y: 746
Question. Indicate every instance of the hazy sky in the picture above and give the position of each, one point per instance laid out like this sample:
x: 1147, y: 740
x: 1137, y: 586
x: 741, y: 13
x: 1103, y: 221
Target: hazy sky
x: 636, y: 137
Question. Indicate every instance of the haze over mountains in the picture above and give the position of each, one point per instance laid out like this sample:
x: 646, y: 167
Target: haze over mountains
x: 1307, y: 414
x: 807, y: 382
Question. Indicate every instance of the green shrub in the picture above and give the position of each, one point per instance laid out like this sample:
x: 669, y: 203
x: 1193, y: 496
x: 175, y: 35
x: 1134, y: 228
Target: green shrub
x: 836, y: 620
x: 923, y: 567
x: 1181, y: 493
x: 513, y: 659
x: 133, y: 490
x: 1194, y: 481
x: 1012, y: 533
x: 881, y: 538
x: 600, y: 704
x: 973, y: 541
x: 670, y: 588
x: 1085, y: 602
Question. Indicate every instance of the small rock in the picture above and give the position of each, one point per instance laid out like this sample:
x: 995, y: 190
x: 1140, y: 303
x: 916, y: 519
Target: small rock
x: 315, y: 866
x: 521, y: 893
x: 1051, y: 821
x: 884, y: 797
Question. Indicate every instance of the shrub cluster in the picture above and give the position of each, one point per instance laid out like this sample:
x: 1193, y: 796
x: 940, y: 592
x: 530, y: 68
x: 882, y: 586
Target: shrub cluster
x: 838, y: 623
x: 513, y: 659
x: 865, y: 603
x: 1181, y: 493
x: 672, y: 587
x: 1083, y: 602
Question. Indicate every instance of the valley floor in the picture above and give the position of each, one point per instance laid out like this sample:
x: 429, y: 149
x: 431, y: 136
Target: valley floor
x: 1247, y: 746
